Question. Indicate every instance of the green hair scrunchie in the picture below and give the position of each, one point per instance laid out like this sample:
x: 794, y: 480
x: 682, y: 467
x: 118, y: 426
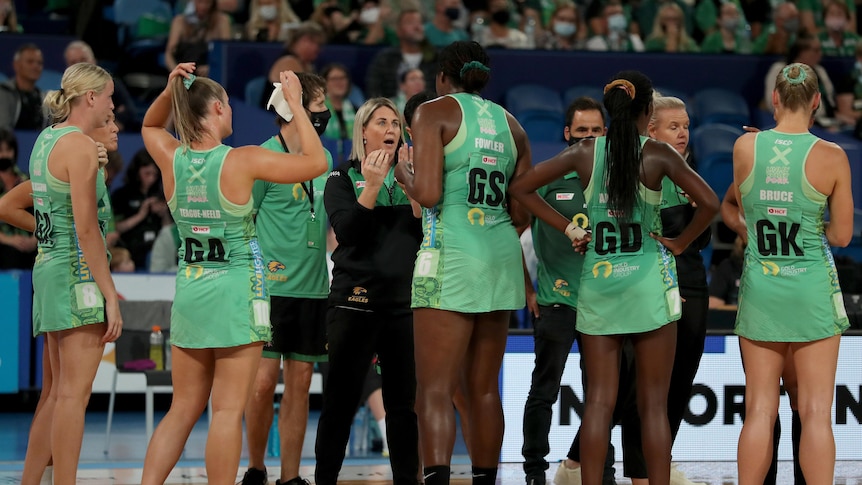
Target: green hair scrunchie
x: 799, y: 79
x: 187, y: 81
x: 474, y: 65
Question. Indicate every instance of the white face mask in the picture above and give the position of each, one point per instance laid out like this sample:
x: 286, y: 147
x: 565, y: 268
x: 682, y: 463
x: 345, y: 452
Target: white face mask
x: 369, y: 15
x: 268, y: 12
x: 564, y: 29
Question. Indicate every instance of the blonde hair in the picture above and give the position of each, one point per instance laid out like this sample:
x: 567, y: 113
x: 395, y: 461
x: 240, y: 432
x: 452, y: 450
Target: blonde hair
x: 77, y: 81
x: 797, y: 85
x: 363, y: 116
x: 661, y: 103
x: 190, y: 106
x: 285, y: 15
x: 658, y: 32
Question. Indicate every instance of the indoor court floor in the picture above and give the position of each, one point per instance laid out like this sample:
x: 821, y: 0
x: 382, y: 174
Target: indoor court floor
x: 123, y: 462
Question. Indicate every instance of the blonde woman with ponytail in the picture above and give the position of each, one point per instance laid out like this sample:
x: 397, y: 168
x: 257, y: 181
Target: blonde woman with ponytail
x: 66, y: 185
x: 220, y: 315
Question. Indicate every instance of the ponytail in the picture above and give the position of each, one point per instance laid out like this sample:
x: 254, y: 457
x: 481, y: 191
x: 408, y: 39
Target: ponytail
x: 626, y: 98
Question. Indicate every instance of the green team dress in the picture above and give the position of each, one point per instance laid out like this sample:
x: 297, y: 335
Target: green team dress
x: 789, y: 289
x: 628, y: 282
x: 65, y: 293
x: 221, y: 296
x: 292, y: 234
x: 470, y: 257
x: 558, y: 273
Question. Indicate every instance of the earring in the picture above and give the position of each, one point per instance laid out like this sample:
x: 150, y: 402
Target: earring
x: 364, y: 141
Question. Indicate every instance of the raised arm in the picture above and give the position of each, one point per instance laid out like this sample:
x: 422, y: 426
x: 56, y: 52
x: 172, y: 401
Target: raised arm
x: 14, y: 205
x: 160, y: 144
x: 284, y: 168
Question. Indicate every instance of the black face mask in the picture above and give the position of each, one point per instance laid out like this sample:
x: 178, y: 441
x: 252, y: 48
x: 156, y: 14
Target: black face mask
x: 573, y: 140
x: 319, y: 119
x: 501, y: 17
x: 453, y: 13
x: 6, y: 164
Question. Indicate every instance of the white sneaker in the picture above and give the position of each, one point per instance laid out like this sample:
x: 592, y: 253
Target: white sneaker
x: 677, y: 477
x: 567, y: 476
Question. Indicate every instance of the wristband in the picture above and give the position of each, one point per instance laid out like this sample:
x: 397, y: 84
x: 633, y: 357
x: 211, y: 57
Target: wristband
x: 575, y: 232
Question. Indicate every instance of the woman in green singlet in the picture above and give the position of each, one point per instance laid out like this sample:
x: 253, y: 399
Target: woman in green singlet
x: 628, y: 284
x: 785, y: 179
x: 468, y: 275
x: 220, y: 316
x: 67, y: 184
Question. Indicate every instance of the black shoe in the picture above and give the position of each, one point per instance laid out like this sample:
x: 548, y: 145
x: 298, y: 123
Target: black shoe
x: 253, y: 476
x: 294, y: 481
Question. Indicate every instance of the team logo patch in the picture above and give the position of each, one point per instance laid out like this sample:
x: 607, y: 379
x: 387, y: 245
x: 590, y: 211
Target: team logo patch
x: 275, y: 266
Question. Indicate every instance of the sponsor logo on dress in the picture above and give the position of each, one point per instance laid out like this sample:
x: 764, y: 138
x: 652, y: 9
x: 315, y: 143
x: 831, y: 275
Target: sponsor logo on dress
x: 360, y: 184
x: 200, y: 229
x: 476, y: 216
x: 358, y: 295
x: 777, y: 211
x: 39, y: 187
x: 603, y: 267
x: 487, y: 126
x: 606, y: 269
x: 489, y: 160
x: 772, y: 269
x: 197, y: 193
x: 778, y: 175
x: 565, y: 196
x: 198, y: 161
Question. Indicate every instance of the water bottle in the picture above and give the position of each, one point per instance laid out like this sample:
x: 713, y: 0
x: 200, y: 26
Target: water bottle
x: 168, y: 353
x: 274, y: 441
x: 530, y: 31
x: 157, y: 347
x: 477, y: 29
x: 743, y: 38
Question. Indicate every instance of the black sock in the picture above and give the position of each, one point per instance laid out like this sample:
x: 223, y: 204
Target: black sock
x: 799, y: 479
x: 436, y: 475
x: 484, y: 476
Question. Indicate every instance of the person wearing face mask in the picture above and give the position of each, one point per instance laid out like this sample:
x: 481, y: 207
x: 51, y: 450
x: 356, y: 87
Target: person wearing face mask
x: 441, y: 30
x: 270, y: 21
x: 812, y: 13
x: 17, y: 247
x: 498, y: 33
x: 778, y: 37
x: 554, y: 306
x: 291, y: 230
x: 369, y: 300
x: 565, y: 30
x: 726, y: 38
x: 611, y: 31
x: 838, y: 38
